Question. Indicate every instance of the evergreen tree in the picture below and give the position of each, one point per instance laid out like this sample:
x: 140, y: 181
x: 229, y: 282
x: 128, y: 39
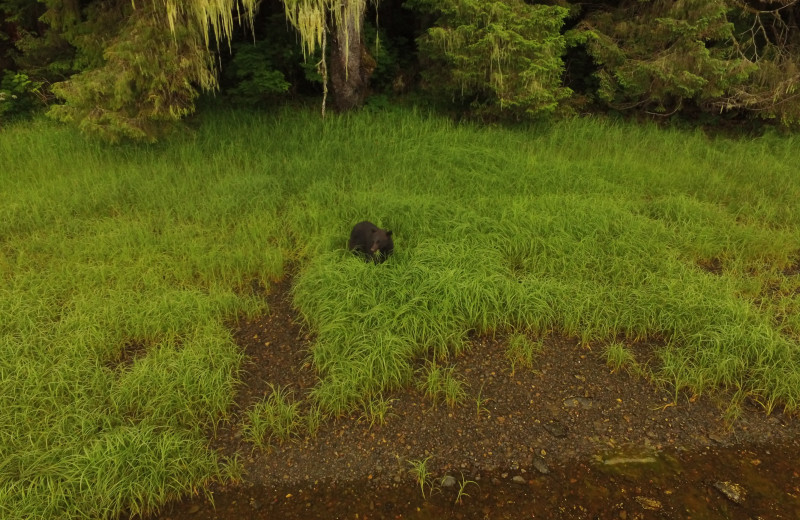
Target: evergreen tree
x: 140, y: 75
x: 502, y: 57
x: 707, y: 55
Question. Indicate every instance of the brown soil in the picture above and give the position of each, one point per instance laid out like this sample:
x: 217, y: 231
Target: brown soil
x: 567, y: 439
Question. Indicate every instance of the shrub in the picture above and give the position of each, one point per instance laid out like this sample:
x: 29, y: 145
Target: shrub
x: 17, y: 94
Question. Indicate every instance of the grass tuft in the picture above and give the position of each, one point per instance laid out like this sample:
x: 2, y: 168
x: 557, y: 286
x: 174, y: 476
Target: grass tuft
x: 377, y: 410
x: 422, y: 474
x: 439, y: 382
x: 521, y: 349
x: 274, y: 419
x: 619, y: 357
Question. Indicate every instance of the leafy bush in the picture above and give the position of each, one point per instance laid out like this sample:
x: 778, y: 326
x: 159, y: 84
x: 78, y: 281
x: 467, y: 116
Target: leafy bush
x: 17, y: 94
x: 258, y: 80
x: 269, y: 64
x: 503, y: 57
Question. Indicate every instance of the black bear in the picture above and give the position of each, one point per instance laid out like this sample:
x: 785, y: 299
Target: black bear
x: 371, y: 241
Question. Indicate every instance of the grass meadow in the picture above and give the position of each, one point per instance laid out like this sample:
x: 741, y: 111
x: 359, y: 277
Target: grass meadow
x: 121, y: 267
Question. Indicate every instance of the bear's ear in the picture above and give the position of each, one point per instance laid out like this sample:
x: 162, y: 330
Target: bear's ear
x: 388, y: 233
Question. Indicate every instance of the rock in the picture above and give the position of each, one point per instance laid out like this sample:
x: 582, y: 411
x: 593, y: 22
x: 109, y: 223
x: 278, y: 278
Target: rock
x: 192, y: 510
x: 578, y: 402
x: 555, y: 428
x: 719, y: 439
x: 616, y: 461
x: 519, y: 479
x: 651, y: 504
x: 733, y: 492
x: 541, y: 466
x: 448, y: 481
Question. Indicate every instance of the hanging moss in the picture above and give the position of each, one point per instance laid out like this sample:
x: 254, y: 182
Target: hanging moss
x: 144, y: 64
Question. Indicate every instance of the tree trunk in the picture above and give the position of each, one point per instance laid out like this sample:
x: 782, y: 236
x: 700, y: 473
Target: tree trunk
x: 351, y: 64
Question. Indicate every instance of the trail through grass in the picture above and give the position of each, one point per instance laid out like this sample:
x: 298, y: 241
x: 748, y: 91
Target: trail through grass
x: 120, y: 267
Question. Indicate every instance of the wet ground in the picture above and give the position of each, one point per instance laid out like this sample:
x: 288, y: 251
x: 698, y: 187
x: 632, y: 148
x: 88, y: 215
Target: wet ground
x: 565, y: 439
x: 746, y: 483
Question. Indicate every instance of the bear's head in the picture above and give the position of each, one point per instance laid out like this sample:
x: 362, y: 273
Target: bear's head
x: 380, y: 240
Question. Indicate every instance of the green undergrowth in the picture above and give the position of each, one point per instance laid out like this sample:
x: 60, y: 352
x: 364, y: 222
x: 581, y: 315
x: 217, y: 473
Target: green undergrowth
x: 121, y: 269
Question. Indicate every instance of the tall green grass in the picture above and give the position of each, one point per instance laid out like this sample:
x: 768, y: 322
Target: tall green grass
x: 118, y: 270
x: 121, y: 266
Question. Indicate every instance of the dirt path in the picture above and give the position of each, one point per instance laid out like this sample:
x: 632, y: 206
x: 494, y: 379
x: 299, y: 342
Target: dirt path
x: 568, y: 439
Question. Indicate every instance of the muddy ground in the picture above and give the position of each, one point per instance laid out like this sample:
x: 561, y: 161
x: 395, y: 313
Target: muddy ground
x: 566, y: 439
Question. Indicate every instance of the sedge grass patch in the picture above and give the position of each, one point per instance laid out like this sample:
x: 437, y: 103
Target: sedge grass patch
x: 588, y: 228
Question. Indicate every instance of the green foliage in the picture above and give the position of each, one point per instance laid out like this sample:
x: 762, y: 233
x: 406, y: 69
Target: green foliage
x: 145, y: 78
x: 667, y: 57
x: 376, y: 409
x: 114, y: 358
x: 48, y: 57
x: 502, y: 57
x: 480, y: 404
x: 31, y: 49
x: 658, y: 55
x: 770, y: 39
x: 463, y: 484
x: 17, y: 95
x: 264, y: 70
x: 387, y: 57
x: 591, y: 230
x: 142, y: 64
x: 257, y: 80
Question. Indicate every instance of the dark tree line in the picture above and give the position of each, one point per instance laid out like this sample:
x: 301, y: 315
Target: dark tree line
x: 125, y: 69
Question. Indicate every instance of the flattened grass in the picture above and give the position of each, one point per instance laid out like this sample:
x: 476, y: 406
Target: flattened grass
x: 119, y: 268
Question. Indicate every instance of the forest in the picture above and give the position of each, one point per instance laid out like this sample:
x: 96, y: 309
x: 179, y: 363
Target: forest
x: 122, y: 69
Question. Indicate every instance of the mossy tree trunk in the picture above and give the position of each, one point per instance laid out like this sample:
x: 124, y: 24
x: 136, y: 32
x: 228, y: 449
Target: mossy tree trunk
x: 351, y: 65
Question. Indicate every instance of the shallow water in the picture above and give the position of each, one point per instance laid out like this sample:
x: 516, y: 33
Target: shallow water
x: 726, y: 483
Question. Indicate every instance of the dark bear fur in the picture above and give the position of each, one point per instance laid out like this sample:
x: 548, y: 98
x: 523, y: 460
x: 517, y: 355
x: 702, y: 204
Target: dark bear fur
x: 371, y: 241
